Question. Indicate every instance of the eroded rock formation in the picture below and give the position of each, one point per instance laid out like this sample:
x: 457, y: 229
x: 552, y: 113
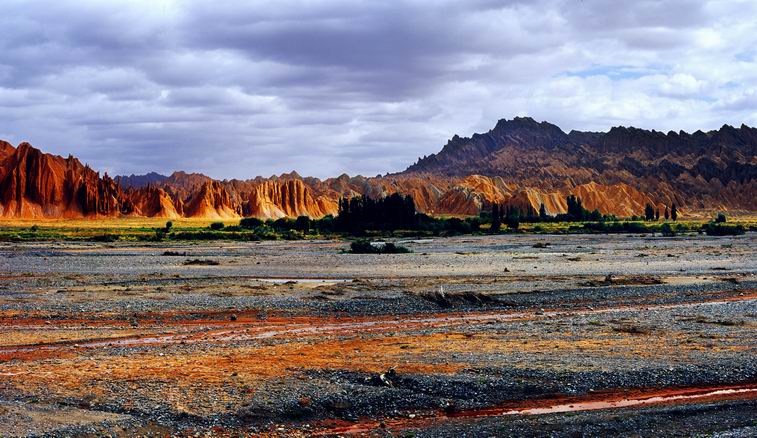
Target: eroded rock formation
x: 34, y: 184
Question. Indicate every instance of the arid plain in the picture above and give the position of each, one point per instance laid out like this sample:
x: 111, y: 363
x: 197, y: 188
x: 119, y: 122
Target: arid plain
x: 477, y: 335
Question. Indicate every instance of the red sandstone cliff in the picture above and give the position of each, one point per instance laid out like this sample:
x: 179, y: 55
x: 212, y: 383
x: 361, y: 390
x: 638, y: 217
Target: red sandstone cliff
x: 151, y: 201
x: 291, y: 198
x: 34, y: 184
x: 211, y: 200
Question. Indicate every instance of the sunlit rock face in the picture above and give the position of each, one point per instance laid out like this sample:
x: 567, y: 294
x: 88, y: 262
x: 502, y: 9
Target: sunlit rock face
x: 35, y: 185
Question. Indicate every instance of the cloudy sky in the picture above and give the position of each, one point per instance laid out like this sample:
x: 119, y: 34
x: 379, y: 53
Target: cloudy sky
x: 236, y: 89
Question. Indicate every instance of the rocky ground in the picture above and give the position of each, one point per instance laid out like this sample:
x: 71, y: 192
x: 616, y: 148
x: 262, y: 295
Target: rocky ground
x: 470, y: 336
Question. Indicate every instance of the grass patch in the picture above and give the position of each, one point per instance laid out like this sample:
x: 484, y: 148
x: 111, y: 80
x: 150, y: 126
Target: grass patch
x: 251, y: 229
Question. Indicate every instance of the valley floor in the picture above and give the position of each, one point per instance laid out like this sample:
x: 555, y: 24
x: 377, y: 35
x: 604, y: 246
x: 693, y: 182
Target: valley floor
x: 512, y: 335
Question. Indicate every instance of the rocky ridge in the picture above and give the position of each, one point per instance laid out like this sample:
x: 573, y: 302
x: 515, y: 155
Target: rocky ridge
x: 520, y: 162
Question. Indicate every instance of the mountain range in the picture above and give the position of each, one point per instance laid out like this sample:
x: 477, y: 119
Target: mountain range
x: 519, y: 162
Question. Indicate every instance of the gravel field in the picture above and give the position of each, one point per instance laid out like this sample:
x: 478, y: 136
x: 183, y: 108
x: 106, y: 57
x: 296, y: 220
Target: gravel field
x: 511, y: 335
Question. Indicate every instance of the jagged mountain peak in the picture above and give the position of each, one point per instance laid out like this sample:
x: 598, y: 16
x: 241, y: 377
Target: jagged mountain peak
x: 524, y: 138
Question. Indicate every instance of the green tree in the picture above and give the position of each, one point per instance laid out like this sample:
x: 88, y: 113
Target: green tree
x: 512, y: 218
x: 302, y: 224
x: 648, y: 212
x: 250, y: 222
x: 543, y: 213
x: 496, y: 218
x: 674, y: 213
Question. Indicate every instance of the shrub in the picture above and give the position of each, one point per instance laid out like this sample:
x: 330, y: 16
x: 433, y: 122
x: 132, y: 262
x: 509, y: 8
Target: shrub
x: 364, y: 246
x: 667, y: 230
x: 160, y: 234
x: 201, y: 262
x: 216, y: 226
x: 169, y: 225
x: 283, y: 223
x: 721, y: 229
x: 720, y: 218
x: 474, y: 223
x: 250, y: 222
x: 34, y: 228
x: 325, y: 223
x: 293, y: 235
x: 302, y: 224
x: 391, y: 248
x: 104, y: 238
x: 457, y: 225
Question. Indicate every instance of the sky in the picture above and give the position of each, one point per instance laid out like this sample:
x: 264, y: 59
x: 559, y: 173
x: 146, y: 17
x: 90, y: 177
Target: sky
x: 236, y: 89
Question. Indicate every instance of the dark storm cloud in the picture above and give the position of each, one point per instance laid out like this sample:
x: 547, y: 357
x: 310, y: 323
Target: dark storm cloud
x: 242, y: 88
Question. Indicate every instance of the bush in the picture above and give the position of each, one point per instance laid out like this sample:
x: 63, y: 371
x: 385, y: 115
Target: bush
x: 325, y: 223
x: 293, y: 235
x: 250, y: 222
x: 457, y: 225
x: 390, y: 248
x: 302, y: 224
x: 720, y: 218
x: 363, y: 246
x: 721, y: 229
x: 513, y: 222
x: 216, y: 226
x: 283, y: 224
x: 169, y: 225
x: 34, y: 228
x: 160, y: 234
x: 667, y: 230
x: 474, y: 223
x: 104, y: 238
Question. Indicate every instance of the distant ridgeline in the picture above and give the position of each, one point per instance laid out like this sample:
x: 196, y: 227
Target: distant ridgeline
x: 520, y: 165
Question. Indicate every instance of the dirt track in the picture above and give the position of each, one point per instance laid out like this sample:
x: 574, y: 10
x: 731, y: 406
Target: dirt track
x: 477, y: 336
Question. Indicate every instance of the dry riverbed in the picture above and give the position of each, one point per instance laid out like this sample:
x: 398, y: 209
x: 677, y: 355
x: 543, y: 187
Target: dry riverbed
x: 478, y: 336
